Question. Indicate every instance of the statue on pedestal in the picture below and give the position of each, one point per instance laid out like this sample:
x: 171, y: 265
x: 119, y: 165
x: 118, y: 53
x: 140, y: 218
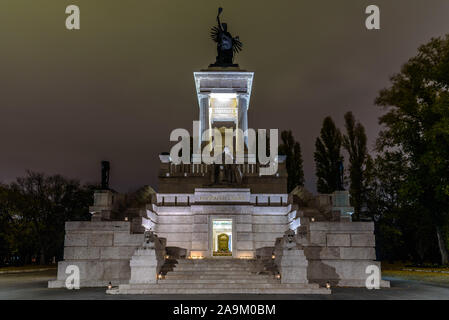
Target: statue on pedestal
x: 105, y: 168
x: 340, y: 178
x: 227, y: 45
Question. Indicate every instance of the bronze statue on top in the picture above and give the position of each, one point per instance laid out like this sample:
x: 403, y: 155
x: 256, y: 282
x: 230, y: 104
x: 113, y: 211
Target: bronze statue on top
x: 227, y: 46
x: 105, y: 169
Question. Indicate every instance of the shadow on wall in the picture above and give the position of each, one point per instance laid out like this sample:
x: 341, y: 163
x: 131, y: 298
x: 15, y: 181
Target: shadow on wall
x: 321, y: 273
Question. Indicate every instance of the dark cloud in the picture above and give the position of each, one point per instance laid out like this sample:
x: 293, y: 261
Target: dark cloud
x: 115, y: 89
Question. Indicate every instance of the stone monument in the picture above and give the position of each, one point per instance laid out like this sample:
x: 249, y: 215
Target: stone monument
x: 216, y: 229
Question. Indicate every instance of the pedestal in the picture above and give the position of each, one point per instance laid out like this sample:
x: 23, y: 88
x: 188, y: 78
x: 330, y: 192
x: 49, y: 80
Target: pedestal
x: 143, y: 266
x: 340, y: 203
x: 102, y: 208
x: 293, y: 266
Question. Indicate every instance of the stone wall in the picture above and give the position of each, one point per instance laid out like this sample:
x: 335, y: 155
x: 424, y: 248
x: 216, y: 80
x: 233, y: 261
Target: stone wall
x: 257, y: 219
x: 339, y: 252
x: 190, y: 227
x: 102, y: 251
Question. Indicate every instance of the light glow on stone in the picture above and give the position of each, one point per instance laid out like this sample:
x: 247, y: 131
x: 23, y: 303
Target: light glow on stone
x: 223, y: 96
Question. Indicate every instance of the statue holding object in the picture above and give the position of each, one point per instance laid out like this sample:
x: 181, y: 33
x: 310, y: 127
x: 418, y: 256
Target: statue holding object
x: 227, y: 45
x: 105, y: 168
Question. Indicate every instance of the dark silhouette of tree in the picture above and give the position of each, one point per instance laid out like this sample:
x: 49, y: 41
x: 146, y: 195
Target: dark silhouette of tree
x: 43, y: 204
x: 354, y: 141
x: 416, y: 125
x: 294, y: 164
x: 327, y: 157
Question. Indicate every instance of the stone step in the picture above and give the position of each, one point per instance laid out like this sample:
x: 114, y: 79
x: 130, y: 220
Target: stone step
x: 212, y: 272
x: 241, y: 281
x: 224, y: 277
x: 220, y: 285
x: 216, y: 261
x: 217, y: 268
x: 215, y: 265
x: 205, y: 289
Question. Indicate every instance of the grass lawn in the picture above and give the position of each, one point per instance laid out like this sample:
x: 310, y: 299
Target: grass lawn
x: 28, y: 268
x: 430, y: 275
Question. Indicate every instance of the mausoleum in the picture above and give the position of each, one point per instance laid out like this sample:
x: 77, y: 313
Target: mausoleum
x: 220, y: 228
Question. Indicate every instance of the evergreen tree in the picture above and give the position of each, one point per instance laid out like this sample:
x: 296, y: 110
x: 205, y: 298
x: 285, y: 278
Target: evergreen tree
x: 354, y: 141
x: 327, y: 157
x: 294, y: 162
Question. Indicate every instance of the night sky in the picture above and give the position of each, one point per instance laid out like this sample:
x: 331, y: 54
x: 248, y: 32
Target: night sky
x: 115, y: 89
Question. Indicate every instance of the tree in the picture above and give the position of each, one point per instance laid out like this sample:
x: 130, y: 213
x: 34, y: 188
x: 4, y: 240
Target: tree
x: 294, y: 163
x: 416, y: 124
x: 44, y: 204
x: 327, y: 157
x: 354, y: 141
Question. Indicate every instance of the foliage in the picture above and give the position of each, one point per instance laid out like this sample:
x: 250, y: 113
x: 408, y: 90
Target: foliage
x: 33, y: 211
x: 327, y: 157
x: 294, y: 163
x: 416, y: 129
x: 354, y: 141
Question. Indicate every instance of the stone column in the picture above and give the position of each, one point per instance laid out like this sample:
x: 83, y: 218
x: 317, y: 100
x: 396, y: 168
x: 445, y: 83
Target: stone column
x: 243, y: 115
x: 204, y: 113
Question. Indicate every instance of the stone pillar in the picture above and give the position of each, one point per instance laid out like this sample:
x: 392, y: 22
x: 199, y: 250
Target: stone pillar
x: 340, y: 203
x: 290, y: 260
x: 147, y: 260
x: 102, y: 208
x: 204, y: 113
x: 143, y: 266
x: 243, y: 114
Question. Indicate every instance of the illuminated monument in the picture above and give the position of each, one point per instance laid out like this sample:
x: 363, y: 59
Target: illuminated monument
x: 220, y: 228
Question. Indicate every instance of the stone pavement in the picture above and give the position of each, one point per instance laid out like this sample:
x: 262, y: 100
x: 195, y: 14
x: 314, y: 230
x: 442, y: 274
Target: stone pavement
x: 34, y: 286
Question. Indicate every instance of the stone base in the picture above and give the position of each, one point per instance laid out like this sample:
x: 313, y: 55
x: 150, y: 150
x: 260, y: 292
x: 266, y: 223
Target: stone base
x: 217, y: 276
x: 143, y: 266
x: 293, y: 266
x: 229, y: 288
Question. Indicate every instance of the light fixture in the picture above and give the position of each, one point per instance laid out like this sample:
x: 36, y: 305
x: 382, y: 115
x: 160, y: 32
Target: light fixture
x: 328, y: 285
x: 126, y: 218
x: 273, y: 257
x: 223, y: 95
x: 167, y: 256
x: 110, y: 285
x: 159, y: 276
x: 312, y: 219
x: 278, y: 276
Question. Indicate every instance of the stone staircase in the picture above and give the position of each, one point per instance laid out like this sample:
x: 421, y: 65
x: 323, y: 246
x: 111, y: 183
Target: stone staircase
x: 217, y: 276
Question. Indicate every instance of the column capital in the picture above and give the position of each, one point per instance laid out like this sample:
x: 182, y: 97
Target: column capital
x: 203, y: 96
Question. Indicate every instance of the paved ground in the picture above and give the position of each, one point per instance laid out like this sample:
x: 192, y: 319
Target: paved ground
x: 33, y: 286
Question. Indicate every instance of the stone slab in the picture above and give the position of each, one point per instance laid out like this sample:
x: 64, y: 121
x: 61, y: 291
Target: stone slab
x: 363, y: 240
x: 338, y: 240
x: 123, y: 226
x: 81, y: 253
x: 127, y: 239
x: 100, y: 239
x: 345, y: 227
